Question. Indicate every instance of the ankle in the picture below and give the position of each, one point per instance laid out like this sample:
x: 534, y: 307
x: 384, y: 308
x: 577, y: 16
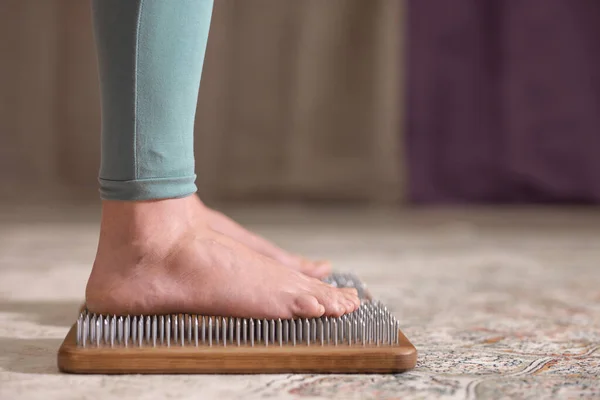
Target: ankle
x: 145, y: 224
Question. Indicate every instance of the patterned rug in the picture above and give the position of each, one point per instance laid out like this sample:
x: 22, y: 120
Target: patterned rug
x: 500, y: 304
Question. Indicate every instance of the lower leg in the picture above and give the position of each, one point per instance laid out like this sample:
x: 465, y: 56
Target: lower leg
x: 158, y: 251
x: 151, y: 55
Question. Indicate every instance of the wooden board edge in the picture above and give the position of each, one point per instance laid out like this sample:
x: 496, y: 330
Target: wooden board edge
x: 234, y: 360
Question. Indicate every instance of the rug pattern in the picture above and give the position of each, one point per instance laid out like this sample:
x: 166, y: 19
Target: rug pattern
x: 496, y: 310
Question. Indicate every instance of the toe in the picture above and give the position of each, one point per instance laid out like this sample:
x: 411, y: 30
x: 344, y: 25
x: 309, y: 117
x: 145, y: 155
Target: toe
x: 343, y: 305
x: 353, y: 302
x: 333, y: 299
x: 307, y: 306
x: 352, y: 295
x: 349, y: 306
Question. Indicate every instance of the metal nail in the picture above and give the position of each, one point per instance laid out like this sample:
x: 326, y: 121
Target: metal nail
x: 168, y: 330
x: 79, y: 329
x: 175, y: 322
x: 321, y: 332
x: 217, y: 330
x: 272, y: 329
x: 307, y: 331
x: 148, y: 330
x: 113, y: 330
x: 181, y: 337
x: 92, y: 326
x: 106, y: 330
x: 141, y: 331
x: 364, y: 333
x: 265, y: 332
x: 334, y: 330
x: 134, y: 326
x: 349, y: 331
x: 127, y: 330
x: 161, y: 326
x: 86, y: 324
x: 99, y: 333
x: 279, y: 332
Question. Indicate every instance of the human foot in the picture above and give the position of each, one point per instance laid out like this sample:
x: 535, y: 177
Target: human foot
x: 153, y: 258
x: 225, y: 225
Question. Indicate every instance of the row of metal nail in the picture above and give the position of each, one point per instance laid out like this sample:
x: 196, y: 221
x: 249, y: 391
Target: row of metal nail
x: 370, y: 324
x: 347, y: 281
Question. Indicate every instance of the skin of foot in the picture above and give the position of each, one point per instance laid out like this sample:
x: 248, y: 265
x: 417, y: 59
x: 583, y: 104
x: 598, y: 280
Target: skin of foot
x: 154, y: 258
x: 225, y: 225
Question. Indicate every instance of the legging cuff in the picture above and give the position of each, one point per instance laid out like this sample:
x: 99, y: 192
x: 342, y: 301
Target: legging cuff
x: 147, y: 189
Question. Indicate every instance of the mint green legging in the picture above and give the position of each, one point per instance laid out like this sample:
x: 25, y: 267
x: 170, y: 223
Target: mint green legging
x: 150, y: 57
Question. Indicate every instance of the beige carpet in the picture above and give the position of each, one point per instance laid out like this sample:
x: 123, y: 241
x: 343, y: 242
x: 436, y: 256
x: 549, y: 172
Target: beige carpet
x: 500, y: 304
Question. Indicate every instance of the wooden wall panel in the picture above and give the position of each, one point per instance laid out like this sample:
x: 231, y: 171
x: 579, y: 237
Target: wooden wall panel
x: 28, y: 92
x: 79, y: 98
x: 298, y: 100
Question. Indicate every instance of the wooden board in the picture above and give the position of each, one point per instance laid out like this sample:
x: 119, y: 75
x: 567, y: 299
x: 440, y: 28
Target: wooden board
x: 236, y: 360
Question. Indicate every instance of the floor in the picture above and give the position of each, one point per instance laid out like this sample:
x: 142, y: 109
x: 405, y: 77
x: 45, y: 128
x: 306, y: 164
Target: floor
x: 500, y: 304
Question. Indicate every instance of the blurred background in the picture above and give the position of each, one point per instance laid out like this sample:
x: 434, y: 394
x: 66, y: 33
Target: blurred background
x: 385, y: 101
x: 299, y: 100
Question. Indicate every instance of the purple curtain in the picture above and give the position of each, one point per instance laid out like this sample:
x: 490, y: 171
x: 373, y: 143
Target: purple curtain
x: 504, y: 100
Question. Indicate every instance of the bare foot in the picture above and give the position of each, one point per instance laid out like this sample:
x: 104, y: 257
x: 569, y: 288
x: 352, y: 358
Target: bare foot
x: 225, y: 225
x: 153, y: 259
